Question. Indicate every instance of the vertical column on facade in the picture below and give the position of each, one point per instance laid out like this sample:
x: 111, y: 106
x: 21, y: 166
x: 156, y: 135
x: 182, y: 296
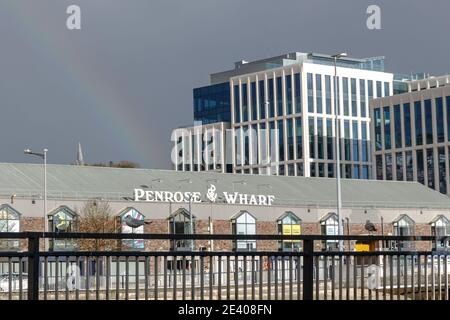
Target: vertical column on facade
x: 305, y: 125
x: 424, y: 140
x: 359, y: 122
x: 233, y: 129
x: 446, y: 139
x: 435, y: 141
x: 403, y: 142
x: 413, y: 137
x: 393, y: 141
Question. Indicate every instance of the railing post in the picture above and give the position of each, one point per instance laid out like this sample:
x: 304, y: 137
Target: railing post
x: 308, y: 269
x: 33, y: 267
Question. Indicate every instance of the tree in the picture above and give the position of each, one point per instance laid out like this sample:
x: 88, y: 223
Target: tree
x: 96, y: 217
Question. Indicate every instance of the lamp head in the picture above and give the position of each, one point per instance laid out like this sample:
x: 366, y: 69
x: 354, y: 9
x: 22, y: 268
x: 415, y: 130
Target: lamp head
x: 27, y: 151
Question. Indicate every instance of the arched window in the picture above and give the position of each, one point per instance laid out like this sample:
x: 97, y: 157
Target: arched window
x: 244, y: 223
x: 440, y: 227
x: 132, y: 221
x: 180, y: 222
x: 289, y: 224
x: 61, y: 220
x: 9, y: 222
x: 329, y: 227
x: 404, y: 226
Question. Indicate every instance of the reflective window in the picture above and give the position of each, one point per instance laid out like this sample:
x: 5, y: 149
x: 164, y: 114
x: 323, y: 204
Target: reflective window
x: 320, y: 148
x: 244, y: 224
x: 62, y: 220
x: 347, y: 140
x: 362, y: 97
x: 428, y: 122
x: 377, y: 115
x: 319, y: 93
x: 379, y: 166
x: 328, y: 94
x: 440, y: 120
x: 409, y: 166
x: 353, y: 93
x: 237, y: 113
x: 388, y: 161
x: 289, y: 224
x: 387, y: 127
x: 321, y: 167
x: 355, y: 141
x: 298, y: 93
x: 404, y: 226
x: 420, y: 168
x: 262, y: 100
x: 9, y: 222
x: 311, y: 138
x: 407, y: 124
x: 331, y: 170
x: 398, y: 126
x: 298, y: 124
x: 365, y: 143
x: 440, y: 227
x: 370, y: 89
x: 329, y: 227
x: 399, y: 166
x: 271, y: 99
x: 289, y: 105
x: 309, y: 78
x: 312, y: 169
x: 300, y: 169
x: 253, y: 96
x: 345, y: 95
x: 212, y: 103
x: 448, y: 117
x: 329, y: 140
x: 180, y: 223
x: 442, y: 171
x: 379, y: 95
x: 430, y: 168
x: 132, y: 221
x: 279, y: 97
x: 418, y: 122
x: 290, y: 139
x: 280, y: 140
x: 365, y: 172
x: 244, y: 103
x: 246, y: 134
x: 386, y: 89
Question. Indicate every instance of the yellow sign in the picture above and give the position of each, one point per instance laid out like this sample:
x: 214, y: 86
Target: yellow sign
x: 362, y: 247
x: 294, y: 230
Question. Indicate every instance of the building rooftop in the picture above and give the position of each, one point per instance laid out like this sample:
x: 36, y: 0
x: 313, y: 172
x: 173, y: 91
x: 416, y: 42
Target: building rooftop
x: 245, y: 67
x: 113, y: 184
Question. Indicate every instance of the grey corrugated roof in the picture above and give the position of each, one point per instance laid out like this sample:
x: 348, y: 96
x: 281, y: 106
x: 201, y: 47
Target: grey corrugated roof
x: 66, y: 181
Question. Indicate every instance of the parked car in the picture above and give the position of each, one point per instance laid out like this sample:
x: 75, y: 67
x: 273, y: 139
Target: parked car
x: 15, y: 282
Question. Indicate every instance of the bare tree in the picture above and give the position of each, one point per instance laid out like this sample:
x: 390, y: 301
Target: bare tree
x: 96, y: 217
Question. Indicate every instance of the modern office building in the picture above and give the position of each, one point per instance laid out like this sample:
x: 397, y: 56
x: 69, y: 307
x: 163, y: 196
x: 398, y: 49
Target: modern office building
x: 281, y: 113
x: 412, y: 134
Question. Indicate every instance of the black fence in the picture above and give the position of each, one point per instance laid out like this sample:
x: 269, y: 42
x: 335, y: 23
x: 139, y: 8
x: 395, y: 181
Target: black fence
x: 385, y: 272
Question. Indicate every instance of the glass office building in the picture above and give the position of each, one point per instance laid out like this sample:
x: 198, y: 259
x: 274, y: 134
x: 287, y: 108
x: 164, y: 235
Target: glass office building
x: 212, y: 103
x: 412, y: 134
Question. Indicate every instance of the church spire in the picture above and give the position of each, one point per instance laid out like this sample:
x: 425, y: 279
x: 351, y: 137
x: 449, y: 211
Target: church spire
x: 80, y: 158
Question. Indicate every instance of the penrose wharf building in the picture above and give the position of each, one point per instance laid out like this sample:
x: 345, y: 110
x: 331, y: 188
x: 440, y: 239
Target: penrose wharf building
x: 279, y: 114
x: 411, y: 134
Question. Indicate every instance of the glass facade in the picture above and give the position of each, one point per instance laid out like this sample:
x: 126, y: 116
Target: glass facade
x: 212, y: 103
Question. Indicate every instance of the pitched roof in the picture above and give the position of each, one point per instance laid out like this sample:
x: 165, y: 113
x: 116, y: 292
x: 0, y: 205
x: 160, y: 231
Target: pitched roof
x: 85, y: 182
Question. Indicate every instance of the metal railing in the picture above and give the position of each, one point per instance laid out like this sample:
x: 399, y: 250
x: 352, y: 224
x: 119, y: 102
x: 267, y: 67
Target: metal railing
x: 308, y: 274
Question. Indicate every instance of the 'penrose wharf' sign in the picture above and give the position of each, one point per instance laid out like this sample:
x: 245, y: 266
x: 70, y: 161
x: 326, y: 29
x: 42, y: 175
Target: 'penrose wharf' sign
x: 196, y: 197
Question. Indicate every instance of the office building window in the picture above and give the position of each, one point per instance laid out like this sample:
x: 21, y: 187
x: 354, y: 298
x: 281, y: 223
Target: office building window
x: 244, y: 223
x: 246, y: 133
x: 398, y: 126
x: 321, y: 169
x: 347, y: 140
x: 330, y: 170
x: 298, y: 93
x: 386, y: 89
x: 312, y: 169
x: 271, y: 99
x: 379, y: 166
x: 328, y: 94
x: 409, y: 166
x: 379, y: 95
x: 420, y: 168
x: 320, y: 151
x: 388, y: 161
x: 280, y: 140
x: 399, y: 166
x: 362, y: 97
x: 430, y: 168
x: 440, y: 120
x: 311, y: 138
x: 370, y: 89
x: 442, y: 171
x: 300, y: 169
x: 353, y: 93
x: 448, y: 117
x: 365, y: 143
x: 428, y: 122
x: 290, y: 138
x: 348, y: 171
x: 244, y: 103
x: 309, y: 79
x: 329, y: 140
x: 345, y: 95
x: 440, y: 227
x: 355, y: 141
x: 329, y: 227
x: 319, y: 93
x: 418, y: 122
x: 298, y: 129
x: 289, y: 225
x: 237, y: 112
x: 377, y: 115
x: 407, y: 124
x: 279, y: 97
x: 254, y: 111
x: 291, y: 169
x: 262, y: 100
x: 365, y: 172
x: 9, y: 222
x: 289, y: 105
x: 180, y: 223
x: 387, y: 127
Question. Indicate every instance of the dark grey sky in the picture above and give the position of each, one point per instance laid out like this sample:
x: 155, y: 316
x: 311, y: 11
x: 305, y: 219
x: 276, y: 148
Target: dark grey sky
x: 121, y: 83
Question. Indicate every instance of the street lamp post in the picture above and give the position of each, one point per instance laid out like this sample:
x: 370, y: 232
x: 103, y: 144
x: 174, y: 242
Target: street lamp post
x: 42, y: 155
x: 337, y: 148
